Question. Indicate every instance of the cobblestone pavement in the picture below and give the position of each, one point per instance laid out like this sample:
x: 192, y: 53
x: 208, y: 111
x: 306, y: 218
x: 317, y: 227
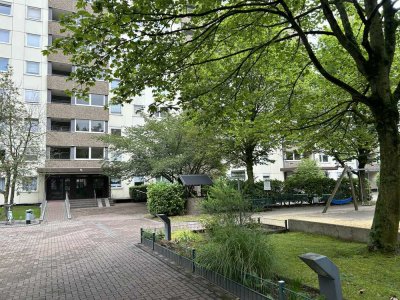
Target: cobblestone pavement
x: 93, y: 256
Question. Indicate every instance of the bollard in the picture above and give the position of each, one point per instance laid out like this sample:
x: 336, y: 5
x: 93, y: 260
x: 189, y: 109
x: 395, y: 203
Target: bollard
x: 328, y: 275
x: 167, y: 225
x: 193, y: 258
x: 281, y: 290
x: 141, y: 235
x: 153, y: 240
x: 28, y: 216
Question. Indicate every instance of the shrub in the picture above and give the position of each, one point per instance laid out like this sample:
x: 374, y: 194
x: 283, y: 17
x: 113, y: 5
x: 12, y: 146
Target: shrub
x: 165, y: 198
x: 138, y: 193
x: 226, y: 202
x: 257, y: 189
x: 309, y: 179
x: 234, y: 251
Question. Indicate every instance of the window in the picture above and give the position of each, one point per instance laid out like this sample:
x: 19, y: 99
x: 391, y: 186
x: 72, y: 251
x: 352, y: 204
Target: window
x: 323, y: 158
x: 115, y: 108
x: 97, y: 153
x: 97, y: 100
x: 32, y: 96
x: 2, y: 184
x: 3, y: 64
x: 33, y: 40
x: 60, y: 153
x: 5, y: 9
x: 82, y: 153
x: 32, y: 125
x: 116, y: 131
x: 60, y: 125
x: 292, y: 155
x: 34, y: 13
x: 161, y: 113
x: 138, y: 109
x: 82, y: 125
x: 82, y: 101
x: 97, y: 126
x: 116, y: 182
x: 4, y: 36
x: 114, y: 84
x: 29, y: 184
x: 32, y: 68
x: 115, y: 156
x: 31, y: 155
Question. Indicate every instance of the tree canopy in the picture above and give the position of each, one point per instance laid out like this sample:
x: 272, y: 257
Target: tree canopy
x: 168, y: 147
x: 158, y: 44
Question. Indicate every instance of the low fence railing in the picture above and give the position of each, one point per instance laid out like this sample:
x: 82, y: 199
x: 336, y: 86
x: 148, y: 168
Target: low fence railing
x: 251, y: 287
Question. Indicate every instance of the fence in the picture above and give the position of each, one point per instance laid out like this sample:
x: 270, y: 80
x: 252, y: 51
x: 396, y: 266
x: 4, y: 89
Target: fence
x: 251, y: 287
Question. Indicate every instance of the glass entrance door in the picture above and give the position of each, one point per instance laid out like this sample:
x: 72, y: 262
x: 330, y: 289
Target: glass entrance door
x: 55, y: 188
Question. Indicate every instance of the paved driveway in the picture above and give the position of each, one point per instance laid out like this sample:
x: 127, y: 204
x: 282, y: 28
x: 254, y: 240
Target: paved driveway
x: 92, y: 256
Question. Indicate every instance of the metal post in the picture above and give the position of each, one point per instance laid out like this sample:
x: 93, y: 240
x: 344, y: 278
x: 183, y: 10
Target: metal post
x: 286, y: 225
x: 141, y: 235
x: 153, y: 240
x: 193, y: 258
x: 281, y: 290
x: 258, y: 220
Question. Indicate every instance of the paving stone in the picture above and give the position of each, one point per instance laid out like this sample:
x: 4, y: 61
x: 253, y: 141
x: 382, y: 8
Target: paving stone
x: 92, y: 256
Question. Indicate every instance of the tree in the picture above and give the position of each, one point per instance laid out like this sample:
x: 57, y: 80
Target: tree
x: 144, y: 45
x: 169, y: 147
x: 240, y: 117
x: 20, y: 138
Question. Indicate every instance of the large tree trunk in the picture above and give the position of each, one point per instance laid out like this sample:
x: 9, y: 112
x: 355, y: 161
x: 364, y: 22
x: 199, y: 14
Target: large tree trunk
x: 6, y: 192
x: 362, y: 185
x: 249, y: 151
x: 384, y: 231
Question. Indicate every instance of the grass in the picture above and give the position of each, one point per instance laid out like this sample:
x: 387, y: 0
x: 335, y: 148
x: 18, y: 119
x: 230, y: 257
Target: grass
x: 19, y: 212
x: 364, y: 275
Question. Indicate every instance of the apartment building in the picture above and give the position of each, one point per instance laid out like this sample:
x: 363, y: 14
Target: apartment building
x: 286, y: 161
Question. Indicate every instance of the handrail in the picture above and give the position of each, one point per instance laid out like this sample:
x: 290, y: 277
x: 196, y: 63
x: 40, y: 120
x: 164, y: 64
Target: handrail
x: 43, y: 208
x: 67, y: 206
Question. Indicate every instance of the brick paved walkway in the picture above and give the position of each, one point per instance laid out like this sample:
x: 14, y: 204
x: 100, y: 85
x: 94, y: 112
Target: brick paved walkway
x: 90, y: 257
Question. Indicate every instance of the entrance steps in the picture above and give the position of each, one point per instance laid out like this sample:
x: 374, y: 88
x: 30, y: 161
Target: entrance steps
x: 91, y: 202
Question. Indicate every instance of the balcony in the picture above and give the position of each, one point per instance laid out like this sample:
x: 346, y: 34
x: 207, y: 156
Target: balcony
x: 62, y: 111
x: 66, y: 6
x: 66, y: 139
x: 60, y: 125
x: 55, y: 82
x: 60, y: 97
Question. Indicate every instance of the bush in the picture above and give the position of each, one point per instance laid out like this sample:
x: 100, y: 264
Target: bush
x: 138, y: 193
x: 234, y: 251
x: 226, y: 202
x: 312, y: 186
x: 165, y: 198
x: 257, y: 190
x: 309, y: 179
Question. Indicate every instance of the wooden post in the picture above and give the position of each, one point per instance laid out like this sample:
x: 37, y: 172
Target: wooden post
x: 353, y: 191
x: 328, y: 203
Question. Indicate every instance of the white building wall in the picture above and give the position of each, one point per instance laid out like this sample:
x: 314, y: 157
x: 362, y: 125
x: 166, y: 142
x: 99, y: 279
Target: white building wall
x: 18, y: 53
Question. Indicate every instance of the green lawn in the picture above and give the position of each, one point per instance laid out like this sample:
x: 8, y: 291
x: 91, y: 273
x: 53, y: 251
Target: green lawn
x: 364, y: 275
x: 19, y: 212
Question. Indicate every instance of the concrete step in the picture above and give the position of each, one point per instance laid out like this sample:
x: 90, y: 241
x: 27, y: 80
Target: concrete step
x: 83, y: 203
